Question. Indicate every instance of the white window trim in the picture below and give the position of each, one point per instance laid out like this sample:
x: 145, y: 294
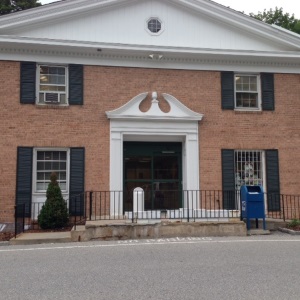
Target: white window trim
x: 259, y: 103
x: 38, y: 84
x: 155, y: 33
x: 34, y: 169
x: 264, y: 174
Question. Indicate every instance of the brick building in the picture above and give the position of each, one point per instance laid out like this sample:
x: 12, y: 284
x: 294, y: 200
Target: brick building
x: 163, y: 95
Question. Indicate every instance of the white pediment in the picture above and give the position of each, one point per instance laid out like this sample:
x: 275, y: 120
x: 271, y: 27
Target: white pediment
x: 196, y: 35
x: 200, y: 24
x: 131, y: 110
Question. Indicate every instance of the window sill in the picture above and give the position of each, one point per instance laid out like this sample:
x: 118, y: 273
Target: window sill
x: 245, y: 111
x: 52, y: 106
x: 36, y: 193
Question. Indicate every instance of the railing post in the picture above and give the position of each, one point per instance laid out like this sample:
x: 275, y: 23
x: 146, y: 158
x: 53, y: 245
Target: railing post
x: 91, y: 204
x: 100, y: 205
x: 15, y: 221
x: 241, y: 218
x: 75, y: 210
x: 283, y: 211
x: 23, y: 216
x: 133, y: 207
x: 188, y: 208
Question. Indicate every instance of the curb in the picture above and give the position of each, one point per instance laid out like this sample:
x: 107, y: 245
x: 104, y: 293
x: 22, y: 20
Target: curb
x: 5, y: 243
x: 289, y: 231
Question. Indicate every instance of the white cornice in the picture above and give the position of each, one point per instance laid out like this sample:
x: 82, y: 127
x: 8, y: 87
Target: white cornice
x: 131, y: 49
x: 54, y: 11
x: 204, y: 59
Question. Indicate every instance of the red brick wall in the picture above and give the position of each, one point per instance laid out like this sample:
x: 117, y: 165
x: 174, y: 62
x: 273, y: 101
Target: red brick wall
x: 107, y: 88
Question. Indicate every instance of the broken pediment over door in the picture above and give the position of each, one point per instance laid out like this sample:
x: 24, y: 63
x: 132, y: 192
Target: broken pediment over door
x: 177, y: 111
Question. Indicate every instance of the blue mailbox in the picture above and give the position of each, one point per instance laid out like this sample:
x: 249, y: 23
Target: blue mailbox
x: 253, y: 204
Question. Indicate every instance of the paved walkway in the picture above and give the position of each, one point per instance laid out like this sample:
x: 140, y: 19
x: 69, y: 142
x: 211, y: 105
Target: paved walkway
x: 41, y: 238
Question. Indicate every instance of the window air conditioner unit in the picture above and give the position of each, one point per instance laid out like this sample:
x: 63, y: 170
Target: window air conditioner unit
x: 52, y: 98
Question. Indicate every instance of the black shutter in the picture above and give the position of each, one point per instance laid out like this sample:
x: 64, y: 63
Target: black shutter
x: 24, y: 178
x: 75, y: 84
x: 28, y: 82
x: 273, y: 184
x: 227, y: 85
x: 228, y: 179
x: 267, y: 91
x: 77, y: 181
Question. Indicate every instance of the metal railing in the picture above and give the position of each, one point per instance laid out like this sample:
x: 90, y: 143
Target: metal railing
x: 19, y: 219
x: 175, y: 204
x: 285, y: 207
x: 32, y: 222
x: 187, y: 205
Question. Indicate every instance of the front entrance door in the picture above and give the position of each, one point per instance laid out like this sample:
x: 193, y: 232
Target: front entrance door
x: 157, y: 169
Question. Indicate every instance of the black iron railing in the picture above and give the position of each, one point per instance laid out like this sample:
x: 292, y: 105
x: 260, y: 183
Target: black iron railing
x: 19, y: 219
x: 285, y: 207
x: 36, y: 207
x: 167, y: 204
x: 187, y: 205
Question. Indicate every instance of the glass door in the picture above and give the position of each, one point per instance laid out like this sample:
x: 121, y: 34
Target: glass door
x: 156, y: 168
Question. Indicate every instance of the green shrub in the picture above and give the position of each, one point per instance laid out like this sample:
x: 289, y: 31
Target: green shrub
x: 54, y: 213
x: 294, y: 223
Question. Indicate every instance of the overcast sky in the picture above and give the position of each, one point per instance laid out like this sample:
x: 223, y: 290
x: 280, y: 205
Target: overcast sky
x: 290, y: 6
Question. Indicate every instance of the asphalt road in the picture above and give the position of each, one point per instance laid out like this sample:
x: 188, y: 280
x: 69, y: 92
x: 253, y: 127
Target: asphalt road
x: 256, y: 267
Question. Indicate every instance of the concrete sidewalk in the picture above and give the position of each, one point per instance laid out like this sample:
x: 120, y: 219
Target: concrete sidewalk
x: 41, y: 238
x: 120, y: 229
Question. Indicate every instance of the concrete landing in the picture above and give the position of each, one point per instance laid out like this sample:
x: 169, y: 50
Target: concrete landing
x: 120, y: 230
x: 41, y: 238
x: 258, y: 232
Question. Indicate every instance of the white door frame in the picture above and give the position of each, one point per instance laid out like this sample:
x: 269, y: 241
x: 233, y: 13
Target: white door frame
x: 128, y: 123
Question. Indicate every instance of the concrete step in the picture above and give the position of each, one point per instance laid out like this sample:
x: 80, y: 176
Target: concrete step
x: 258, y: 232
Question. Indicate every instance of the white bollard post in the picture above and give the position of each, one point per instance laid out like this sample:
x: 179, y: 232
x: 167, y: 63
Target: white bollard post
x: 138, y: 200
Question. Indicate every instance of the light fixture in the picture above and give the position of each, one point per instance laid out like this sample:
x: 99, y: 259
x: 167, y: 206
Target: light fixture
x: 156, y: 56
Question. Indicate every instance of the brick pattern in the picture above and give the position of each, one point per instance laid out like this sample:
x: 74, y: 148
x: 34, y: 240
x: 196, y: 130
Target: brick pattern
x: 107, y: 88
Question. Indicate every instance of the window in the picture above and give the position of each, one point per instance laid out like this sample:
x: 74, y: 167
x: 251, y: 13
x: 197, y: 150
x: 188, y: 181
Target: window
x: 154, y: 26
x: 51, y: 161
x: 248, y: 168
x: 247, y: 91
x: 52, y: 84
x: 32, y: 180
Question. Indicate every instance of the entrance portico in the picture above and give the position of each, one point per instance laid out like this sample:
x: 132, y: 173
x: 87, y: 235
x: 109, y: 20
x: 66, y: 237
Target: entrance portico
x: 129, y: 124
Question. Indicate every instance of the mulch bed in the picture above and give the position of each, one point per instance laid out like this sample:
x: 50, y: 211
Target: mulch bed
x: 295, y: 228
x: 6, y: 236
x: 67, y: 228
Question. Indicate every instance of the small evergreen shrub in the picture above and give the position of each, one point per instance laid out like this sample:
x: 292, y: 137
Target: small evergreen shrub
x: 54, y: 213
x: 294, y: 223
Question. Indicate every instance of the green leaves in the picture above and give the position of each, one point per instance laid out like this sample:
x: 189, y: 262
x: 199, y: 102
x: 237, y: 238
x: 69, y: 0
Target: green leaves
x: 9, y: 6
x: 279, y: 18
